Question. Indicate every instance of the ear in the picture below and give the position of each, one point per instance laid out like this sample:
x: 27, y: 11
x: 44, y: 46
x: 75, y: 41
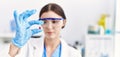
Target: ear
x: 64, y: 23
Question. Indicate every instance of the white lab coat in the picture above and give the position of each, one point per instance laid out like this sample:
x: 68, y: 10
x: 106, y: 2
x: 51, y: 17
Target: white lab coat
x: 35, y: 47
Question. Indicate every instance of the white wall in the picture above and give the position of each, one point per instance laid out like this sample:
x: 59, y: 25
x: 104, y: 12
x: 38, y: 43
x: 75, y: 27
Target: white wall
x: 80, y: 13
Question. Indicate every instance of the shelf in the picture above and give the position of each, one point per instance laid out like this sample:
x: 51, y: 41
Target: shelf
x: 99, y: 37
x: 99, y: 45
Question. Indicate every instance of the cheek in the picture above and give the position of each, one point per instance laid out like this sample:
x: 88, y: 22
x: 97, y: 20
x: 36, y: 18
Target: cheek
x: 58, y: 28
x: 60, y: 25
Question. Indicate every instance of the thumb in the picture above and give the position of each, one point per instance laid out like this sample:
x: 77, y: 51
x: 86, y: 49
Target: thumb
x: 35, y: 31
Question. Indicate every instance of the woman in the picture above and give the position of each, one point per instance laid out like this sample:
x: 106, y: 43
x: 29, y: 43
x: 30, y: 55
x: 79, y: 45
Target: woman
x: 51, y: 45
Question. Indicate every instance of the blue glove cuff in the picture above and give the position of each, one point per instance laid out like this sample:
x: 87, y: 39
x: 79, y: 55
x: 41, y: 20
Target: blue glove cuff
x: 16, y: 43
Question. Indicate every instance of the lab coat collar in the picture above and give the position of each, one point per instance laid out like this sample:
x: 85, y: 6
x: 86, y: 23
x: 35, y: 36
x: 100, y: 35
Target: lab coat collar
x: 38, y: 47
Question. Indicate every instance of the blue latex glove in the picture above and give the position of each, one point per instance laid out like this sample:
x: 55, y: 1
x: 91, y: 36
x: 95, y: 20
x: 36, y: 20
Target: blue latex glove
x: 23, y: 31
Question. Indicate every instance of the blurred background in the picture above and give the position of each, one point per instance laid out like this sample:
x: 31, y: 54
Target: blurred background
x: 92, y: 25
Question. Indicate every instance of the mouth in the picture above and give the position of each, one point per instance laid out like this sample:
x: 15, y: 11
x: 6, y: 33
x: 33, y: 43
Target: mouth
x: 49, y: 32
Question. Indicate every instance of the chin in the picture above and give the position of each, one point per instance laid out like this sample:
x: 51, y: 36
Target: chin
x: 51, y: 37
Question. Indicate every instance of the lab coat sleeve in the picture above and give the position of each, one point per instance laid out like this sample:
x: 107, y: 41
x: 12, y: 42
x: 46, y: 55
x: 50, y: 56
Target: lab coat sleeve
x: 78, y: 54
x: 74, y: 52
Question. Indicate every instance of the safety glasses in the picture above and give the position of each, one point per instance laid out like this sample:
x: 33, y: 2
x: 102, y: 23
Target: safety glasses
x: 51, y: 19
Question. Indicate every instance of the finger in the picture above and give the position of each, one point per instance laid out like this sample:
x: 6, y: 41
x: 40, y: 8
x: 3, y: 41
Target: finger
x: 27, y: 14
x: 33, y: 22
x: 35, y: 31
x: 37, y: 22
x: 15, y: 17
x: 22, y: 15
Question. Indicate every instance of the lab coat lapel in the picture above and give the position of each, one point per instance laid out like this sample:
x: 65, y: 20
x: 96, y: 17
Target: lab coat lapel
x: 38, y: 47
x: 39, y: 51
x: 64, y: 51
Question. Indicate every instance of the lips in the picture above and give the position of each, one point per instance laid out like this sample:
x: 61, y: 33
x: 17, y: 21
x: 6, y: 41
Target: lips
x: 49, y: 32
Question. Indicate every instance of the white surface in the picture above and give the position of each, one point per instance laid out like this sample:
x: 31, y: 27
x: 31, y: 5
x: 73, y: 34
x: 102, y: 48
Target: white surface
x: 117, y: 45
x: 4, y: 48
x: 99, y: 45
x: 117, y: 29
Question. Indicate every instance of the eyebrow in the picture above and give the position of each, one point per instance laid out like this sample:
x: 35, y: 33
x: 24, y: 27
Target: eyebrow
x: 51, y: 19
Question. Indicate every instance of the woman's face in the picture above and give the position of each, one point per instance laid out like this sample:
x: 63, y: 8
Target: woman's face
x: 52, y: 28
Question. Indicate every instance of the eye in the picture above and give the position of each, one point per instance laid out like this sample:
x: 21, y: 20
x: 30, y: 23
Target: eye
x: 55, y: 21
x: 45, y: 21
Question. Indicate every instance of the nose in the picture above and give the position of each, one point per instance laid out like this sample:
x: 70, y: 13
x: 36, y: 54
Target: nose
x: 49, y: 25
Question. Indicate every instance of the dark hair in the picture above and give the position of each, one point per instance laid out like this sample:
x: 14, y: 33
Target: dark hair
x: 53, y: 7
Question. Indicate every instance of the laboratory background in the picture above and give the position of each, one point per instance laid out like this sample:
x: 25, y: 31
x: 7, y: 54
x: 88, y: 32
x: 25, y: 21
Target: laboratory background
x: 93, y: 26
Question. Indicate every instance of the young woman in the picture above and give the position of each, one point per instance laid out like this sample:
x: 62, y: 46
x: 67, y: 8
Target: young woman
x: 50, y: 45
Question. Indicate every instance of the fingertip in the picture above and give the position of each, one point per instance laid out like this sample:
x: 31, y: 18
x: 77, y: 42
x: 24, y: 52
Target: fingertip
x: 34, y: 10
x: 14, y: 10
x: 35, y: 31
x: 40, y: 30
x: 15, y: 14
x: 41, y: 22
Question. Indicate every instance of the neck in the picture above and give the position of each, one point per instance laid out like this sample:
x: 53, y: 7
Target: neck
x: 51, y: 45
x: 52, y: 42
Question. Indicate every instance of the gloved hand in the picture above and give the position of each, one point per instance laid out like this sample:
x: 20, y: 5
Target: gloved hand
x: 23, y: 31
